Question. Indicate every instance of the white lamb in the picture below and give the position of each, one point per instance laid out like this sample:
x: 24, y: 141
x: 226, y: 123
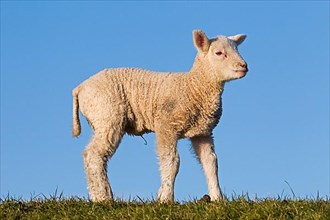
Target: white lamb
x: 173, y: 105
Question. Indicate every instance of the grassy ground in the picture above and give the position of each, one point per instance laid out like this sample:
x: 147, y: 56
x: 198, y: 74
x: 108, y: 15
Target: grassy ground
x: 235, y: 208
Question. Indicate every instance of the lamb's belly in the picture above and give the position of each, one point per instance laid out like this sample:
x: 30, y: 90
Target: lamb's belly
x: 138, y: 124
x: 134, y: 128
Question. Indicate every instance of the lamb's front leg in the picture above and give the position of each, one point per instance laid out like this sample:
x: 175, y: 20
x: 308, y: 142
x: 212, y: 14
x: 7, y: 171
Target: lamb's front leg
x: 204, y: 149
x: 169, y: 162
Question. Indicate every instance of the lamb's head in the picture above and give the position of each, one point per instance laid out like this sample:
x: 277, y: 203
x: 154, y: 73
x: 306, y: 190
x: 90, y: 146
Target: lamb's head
x: 220, y: 55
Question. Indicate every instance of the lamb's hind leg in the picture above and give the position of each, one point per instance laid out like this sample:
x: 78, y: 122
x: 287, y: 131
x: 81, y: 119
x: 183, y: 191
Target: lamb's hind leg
x: 102, y: 146
x: 204, y: 149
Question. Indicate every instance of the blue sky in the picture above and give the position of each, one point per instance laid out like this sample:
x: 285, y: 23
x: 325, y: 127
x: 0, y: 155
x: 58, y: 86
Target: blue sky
x: 275, y: 123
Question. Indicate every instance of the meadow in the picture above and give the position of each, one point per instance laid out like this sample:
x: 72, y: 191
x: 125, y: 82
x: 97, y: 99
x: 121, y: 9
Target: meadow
x: 239, y: 207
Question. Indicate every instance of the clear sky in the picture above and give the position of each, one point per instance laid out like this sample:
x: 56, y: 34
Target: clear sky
x: 275, y: 124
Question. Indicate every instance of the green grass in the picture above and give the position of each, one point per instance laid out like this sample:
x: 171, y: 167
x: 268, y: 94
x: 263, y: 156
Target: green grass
x: 235, y: 208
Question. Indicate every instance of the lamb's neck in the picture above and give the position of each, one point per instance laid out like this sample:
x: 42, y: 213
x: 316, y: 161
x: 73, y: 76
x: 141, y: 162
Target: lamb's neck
x: 200, y: 78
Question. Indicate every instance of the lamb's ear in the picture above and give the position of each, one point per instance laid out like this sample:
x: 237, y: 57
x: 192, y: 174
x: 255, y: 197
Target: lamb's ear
x: 238, y: 39
x: 201, y: 41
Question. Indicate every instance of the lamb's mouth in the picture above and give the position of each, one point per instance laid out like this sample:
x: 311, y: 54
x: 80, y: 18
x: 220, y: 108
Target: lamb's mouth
x: 242, y: 72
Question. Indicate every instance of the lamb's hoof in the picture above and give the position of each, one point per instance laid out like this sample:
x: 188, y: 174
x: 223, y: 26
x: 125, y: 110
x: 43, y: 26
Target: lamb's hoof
x: 205, y: 198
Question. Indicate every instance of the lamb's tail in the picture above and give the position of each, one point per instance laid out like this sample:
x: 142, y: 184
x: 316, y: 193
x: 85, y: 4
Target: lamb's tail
x: 76, y: 127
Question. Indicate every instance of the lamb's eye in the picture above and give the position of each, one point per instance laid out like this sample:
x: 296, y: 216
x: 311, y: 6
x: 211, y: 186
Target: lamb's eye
x: 219, y: 53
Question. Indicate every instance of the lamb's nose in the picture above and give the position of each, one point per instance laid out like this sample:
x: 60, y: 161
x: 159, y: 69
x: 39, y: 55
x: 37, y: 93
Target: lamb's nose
x: 244, y: 65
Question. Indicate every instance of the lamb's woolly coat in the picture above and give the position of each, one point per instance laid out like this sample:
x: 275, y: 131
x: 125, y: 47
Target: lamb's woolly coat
x: 148, y: 101
x: 173, y: 105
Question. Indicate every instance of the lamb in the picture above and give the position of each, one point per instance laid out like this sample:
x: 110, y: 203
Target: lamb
x: 135, y: 101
